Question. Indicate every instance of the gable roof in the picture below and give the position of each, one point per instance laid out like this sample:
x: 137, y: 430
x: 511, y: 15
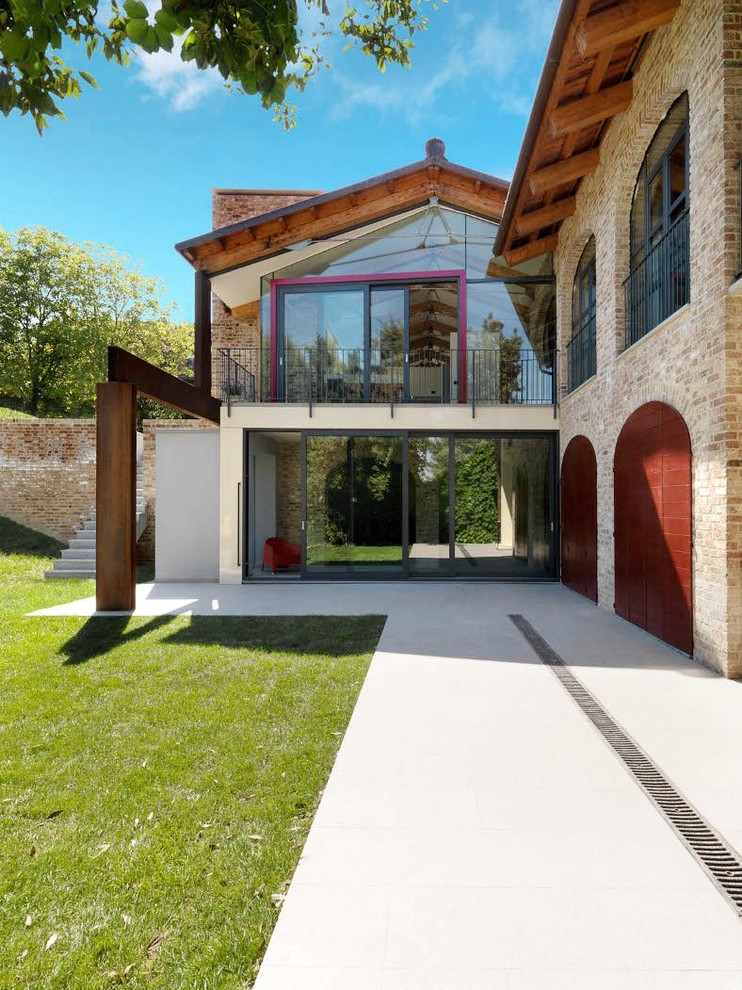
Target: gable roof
x: 586, y: 80
x: 347, y: 209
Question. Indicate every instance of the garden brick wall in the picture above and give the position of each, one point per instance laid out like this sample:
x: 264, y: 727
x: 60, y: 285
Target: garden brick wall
x: 231, y: 206
x: 47, y: 473
x: 694, y: 361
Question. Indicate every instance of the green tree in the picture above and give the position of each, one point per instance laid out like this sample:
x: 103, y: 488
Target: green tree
x: 476, y: 494
x: 258, y: 48
x: 504, y: 375
x: 61, y: 305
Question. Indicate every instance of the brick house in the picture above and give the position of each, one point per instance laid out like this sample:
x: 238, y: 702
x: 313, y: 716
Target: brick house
x: 435, y: 373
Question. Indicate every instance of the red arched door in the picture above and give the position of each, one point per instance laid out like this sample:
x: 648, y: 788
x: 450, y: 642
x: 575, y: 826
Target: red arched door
x: 652, y: 502
x: 580, y: 518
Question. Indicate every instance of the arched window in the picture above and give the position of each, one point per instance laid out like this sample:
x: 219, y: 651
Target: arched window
x: 659, y: 283
x: 581, y: 348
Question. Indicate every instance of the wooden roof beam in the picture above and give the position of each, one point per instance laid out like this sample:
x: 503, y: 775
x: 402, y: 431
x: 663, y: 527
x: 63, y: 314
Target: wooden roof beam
x: 624, y: 22
x: 531, y: 223
x: 592, y: 109
x: 564, y: 172
x: 515, y: 256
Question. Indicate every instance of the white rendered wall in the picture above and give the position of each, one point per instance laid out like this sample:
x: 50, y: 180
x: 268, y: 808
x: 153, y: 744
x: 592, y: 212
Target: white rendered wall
x: 187, y: 520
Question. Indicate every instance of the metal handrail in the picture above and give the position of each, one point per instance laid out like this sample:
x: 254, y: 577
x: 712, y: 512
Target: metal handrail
x: 313, y: 376
x: 660, y: 283
x: 581, y: 363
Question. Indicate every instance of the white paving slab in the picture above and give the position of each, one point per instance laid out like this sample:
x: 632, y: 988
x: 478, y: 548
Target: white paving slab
x: 476, y: 832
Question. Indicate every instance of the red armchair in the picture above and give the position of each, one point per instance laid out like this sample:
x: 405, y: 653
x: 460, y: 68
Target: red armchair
x: 278, y: 552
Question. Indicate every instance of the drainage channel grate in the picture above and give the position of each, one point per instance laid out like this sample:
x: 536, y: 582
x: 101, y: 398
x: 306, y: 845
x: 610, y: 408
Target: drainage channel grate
x: 719, y: 860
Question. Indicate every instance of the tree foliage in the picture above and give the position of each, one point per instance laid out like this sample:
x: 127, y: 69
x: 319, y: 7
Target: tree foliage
x: 61, y: 305
x: 257, y: 48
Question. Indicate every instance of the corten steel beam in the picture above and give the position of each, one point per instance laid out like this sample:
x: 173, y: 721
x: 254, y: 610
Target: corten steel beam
x: 202, y: 327
x: 624, y: 22
x: 115, y: 497
x: 159, y: 385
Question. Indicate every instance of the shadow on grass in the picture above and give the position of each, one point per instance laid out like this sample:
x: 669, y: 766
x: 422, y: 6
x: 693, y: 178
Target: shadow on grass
x: 100, y: 634
x: 15, y: 538
x: 300, y: 634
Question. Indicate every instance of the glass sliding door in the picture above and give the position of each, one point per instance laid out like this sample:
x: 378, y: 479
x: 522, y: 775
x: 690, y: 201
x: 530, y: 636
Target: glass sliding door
x: 398, y: 505
x: 428, y: 486
x: 322, y: 342
x: 354, y: 505
x: 503, y: 499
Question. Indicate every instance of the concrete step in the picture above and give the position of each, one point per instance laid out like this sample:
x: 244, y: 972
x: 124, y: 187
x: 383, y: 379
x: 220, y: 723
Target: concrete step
x: 68, y: 575
x: 65, y: 564
x: 79, y: 553
x: 78, y: 543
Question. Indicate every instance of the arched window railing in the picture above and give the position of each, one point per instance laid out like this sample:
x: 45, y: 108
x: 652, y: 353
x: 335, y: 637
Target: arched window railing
x: 659, y: 282
x: 581, y: 348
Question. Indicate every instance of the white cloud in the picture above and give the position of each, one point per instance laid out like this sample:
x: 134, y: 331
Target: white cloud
x: 181, y: 84
x: 500, y: 53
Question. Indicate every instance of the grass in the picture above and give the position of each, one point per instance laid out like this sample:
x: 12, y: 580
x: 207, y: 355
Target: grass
x: 325, y: 554
x: 6, y: 413
x: 157, y: 780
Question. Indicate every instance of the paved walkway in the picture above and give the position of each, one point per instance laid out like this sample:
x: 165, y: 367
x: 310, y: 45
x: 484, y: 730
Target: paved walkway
x: 476, y: 833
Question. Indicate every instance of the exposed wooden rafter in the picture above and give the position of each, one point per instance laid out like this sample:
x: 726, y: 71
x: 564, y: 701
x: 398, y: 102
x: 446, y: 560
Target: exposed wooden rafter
x: 515, y: 256
x: 624, y: 22
x: 591, y: 109
x: 529, y: 223
x: 563, y: 172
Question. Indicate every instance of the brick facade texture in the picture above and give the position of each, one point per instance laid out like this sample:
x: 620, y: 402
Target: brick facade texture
x: 47, y: 473
x: 231, y: 206
x: 693, y: 362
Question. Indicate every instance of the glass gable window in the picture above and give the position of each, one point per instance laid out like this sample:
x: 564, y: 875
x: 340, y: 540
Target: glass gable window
x: 581, y: 348
x: 659, y: 283
x: 414, y: 309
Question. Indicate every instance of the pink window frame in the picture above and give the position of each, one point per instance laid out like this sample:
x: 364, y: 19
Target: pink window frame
x: 404, y: 277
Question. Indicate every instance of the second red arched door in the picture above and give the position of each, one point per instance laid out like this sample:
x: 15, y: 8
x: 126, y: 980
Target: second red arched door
x: 652, y: 504
x: 580, y: 518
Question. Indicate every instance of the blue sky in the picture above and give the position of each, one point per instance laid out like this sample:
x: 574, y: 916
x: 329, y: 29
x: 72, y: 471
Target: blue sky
x: 134, y: 163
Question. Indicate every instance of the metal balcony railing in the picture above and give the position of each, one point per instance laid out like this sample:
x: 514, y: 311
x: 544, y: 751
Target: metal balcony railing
x: 660, y: 284
x: 319, y: 375
x: 581, y: 355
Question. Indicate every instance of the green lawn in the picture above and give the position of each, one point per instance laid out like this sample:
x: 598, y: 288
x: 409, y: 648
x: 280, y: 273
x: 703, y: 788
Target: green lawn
x: 7, y: 413
x: 157, y: 780
x: 352, y: 554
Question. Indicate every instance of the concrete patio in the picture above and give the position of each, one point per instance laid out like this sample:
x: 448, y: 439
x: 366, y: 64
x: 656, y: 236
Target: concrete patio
x: 476, y: 832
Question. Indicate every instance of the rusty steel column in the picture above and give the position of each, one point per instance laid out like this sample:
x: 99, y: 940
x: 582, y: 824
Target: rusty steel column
x: 202, y: 336
x: 115, y: 498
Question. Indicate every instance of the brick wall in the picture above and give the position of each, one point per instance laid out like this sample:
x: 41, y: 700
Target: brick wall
x: 682, y: 363
x: 231, y: 206
x: 146, y: 545
x: 47, y: 473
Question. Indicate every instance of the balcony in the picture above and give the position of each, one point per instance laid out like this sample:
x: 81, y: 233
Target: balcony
x: 581, y: 355
x: 660, y: 284
x: 319, y: 375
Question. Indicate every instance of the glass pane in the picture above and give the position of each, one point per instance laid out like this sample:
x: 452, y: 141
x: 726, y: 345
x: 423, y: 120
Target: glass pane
x: 509, y: 342
x: 677, y: 170
x: 428, y: 508
x: 502, y: 496
x: 433, y: 340
x: 386, y: 361
x: 656, y: 202
x: 354, y: 504
x: 323, y: 335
